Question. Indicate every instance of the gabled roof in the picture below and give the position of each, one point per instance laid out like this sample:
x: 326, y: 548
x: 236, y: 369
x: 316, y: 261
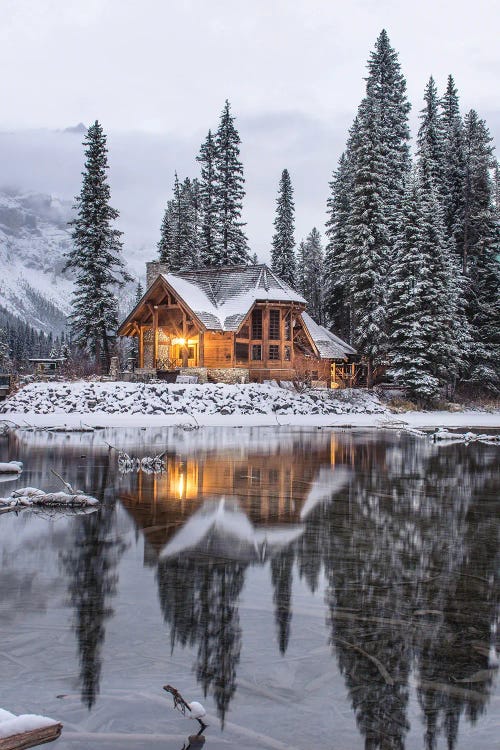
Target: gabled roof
x: 222, y: 297
x: 329, y: 346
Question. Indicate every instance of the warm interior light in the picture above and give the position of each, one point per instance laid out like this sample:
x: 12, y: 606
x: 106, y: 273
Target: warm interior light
x: 180, y: 342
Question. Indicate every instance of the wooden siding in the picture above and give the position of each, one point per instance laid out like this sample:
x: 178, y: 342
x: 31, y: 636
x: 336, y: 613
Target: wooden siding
x: 218, y: 349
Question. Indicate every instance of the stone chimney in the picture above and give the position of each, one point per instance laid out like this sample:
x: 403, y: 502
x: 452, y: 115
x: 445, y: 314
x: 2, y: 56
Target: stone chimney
x: 153, y: 269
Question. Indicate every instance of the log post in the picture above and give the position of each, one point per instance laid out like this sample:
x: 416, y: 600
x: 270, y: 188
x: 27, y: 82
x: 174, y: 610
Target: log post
x: 155, y: 335
x: 141, y: 347
x: 185, y: 337
x: 201, y: 349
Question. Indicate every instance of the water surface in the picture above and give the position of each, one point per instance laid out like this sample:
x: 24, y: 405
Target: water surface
x: 313, y: 588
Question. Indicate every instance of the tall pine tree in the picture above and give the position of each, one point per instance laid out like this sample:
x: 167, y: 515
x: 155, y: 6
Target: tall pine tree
x: 481, y: 247
x: 337, y: 259
x: 179, y: 234
x: 369, y: 236
x: 95, y: 255
x: 454, y: 166
x: 430, y: 140
x: 208, y: 204
x: 283, y: 243
x: 310, y: 274
x: 231, y: 247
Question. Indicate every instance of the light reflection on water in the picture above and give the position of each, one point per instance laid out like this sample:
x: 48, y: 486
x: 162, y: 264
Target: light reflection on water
x: 318, y: 588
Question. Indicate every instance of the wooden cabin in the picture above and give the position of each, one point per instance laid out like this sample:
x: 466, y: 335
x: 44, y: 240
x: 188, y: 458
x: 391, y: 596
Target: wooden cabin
x: 231, y: 324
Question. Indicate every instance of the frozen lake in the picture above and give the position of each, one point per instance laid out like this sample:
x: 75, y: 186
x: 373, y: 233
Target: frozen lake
x: 313, y: 588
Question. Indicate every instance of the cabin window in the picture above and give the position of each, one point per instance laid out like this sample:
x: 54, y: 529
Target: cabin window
x: 274, y: 351
x: 288, y: 353
x: 241, y: 351
x: 257, y: 324
x: 288, y: 327
x: 244, y: 332
x: 256, y: 351
x: 274, y: 324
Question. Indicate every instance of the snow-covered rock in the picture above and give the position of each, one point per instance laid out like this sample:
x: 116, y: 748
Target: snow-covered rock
x: 31, y: 496
x: 11, y: 467
x: 185, y: 399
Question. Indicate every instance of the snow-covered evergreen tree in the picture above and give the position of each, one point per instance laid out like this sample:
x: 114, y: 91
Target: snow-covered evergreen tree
x: 337, y: 259
x: 369, y: 235
x: 430, y: 140
x: 179, y: 241
x: 283, y: 242
x: 309, y: 278
x: 208, y: 203
x: 367, y: 192
x: 454, y: 166
x: 480, y: 255
x: 231, y: 246
x: 409, y: 322
x: 95, y: 255
x: 5, y: 359
x: 386, y: 89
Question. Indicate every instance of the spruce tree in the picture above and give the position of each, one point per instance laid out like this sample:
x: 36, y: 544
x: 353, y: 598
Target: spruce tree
x: 454, y: 166
x: 386, y: 89
x: 369, y: 237
x: 178, y: 245
x: 337, y: 266
x: 231, y: 247
x: 208, y: 203
x: 430, y: 140
x: 95, y: 255
x: 426, y: 338
x: 309, y: 279
x: 283, y: 242
x: 480, y: 255
x: 5, y: 360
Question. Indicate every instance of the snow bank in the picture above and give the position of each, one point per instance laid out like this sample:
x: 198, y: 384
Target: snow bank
x: 185, y: 399
x: 10, y: 724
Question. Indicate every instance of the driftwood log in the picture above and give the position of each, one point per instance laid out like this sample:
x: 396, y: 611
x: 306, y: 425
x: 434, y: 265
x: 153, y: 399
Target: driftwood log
x: 32, y: 738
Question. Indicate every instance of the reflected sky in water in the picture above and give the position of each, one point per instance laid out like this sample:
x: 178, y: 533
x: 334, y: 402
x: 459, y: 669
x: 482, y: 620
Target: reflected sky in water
x: 312, y: 588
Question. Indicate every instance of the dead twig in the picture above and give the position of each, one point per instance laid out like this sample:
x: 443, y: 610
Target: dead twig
x: 68, y: 486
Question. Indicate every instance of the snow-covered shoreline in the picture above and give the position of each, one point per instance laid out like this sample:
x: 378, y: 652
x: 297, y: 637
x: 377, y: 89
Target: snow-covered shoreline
x: 117, y: 404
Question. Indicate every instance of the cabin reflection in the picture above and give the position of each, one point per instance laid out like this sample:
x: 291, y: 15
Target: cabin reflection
x: 271, y: 487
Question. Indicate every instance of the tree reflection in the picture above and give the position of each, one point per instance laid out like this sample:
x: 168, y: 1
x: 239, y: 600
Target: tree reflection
x: 409, y: 552
x: 282, y: 579
x: 199, y: 600
x: 91, y: 567
x: 411, y: 562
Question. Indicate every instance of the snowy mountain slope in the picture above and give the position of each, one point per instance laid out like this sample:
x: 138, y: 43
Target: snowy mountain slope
x: 33, y: 239
x: 34, y: 236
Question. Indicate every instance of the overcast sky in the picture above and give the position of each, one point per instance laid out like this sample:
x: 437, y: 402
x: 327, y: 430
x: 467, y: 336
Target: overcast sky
x: 156, y: 74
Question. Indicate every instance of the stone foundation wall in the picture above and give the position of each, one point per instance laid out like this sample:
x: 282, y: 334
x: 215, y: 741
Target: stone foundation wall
x: 231, y: 375
x: 200, y: 372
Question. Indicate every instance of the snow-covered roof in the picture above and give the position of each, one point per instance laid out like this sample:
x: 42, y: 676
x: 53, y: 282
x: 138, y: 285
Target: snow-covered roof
x: 225, y: 529
x: 222, y: 297
x: 329, y: 346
